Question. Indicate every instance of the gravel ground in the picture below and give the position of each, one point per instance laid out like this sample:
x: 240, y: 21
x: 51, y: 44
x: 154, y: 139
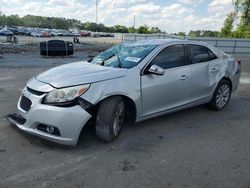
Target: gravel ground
x: 31, y: 44
x: 191, y: 148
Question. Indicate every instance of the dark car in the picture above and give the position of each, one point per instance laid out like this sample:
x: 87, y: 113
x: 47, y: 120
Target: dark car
x: 24, y: 32
x: 14, y: 30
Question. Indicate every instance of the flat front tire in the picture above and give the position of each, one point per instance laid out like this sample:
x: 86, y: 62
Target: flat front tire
x: 110, y: 118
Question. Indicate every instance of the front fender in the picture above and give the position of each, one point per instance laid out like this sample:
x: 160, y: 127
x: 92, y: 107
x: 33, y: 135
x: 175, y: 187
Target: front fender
x: 128, y: 86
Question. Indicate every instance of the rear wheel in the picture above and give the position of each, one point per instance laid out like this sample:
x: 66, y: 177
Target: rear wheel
x: 110, y: 118
x: 221, y: 96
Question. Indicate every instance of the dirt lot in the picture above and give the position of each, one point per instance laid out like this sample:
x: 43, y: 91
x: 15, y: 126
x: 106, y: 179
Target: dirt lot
x: 28, y: 43
x: 191, y: 148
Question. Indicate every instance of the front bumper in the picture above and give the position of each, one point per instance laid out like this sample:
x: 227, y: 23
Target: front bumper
x: 69, y: 121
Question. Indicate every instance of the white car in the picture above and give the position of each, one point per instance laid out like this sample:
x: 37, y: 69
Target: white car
x: 36, y: 34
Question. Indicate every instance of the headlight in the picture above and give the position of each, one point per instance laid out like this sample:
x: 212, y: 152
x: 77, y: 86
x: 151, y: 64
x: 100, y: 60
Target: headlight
x: 66, y: 94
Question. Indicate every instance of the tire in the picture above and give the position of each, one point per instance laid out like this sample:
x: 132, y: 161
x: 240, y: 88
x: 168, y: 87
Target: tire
x: 110, y: 118
x: 221, y: 96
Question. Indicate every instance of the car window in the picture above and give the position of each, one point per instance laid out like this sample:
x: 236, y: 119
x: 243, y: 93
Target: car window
x: 199, y: 54
x: 170, y: 57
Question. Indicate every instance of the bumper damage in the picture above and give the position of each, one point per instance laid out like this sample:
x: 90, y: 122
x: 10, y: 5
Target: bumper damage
x: 61, y: 125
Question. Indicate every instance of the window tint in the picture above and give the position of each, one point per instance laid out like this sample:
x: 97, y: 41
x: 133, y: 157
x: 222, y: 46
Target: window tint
x: 200, y: 54
x: 170, y: 57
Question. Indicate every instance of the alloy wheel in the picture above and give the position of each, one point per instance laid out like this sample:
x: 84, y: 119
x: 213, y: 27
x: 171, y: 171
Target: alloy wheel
x: 119, y: 118
x: 222, y: 96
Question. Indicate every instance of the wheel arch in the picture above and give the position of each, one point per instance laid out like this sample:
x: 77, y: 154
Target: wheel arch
x: 229, y: 80
x: 131, y: 112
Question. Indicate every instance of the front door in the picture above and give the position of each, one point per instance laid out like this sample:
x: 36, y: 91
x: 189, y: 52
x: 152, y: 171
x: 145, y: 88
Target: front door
x: 163, y: 92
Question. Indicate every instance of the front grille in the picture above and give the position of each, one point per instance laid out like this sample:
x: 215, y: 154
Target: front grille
x: 34, y: 92
x: 17, y: 118
x: 25, y: 103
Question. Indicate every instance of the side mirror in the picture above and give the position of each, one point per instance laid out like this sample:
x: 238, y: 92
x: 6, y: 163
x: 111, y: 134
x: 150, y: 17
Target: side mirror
x: 155, y: 69
x: 90, y: 58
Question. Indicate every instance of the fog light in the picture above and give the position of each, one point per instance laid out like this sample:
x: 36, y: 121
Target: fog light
x: 50, y: 129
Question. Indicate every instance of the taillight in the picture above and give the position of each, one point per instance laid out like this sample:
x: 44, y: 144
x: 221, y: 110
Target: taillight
x: 238, y: 62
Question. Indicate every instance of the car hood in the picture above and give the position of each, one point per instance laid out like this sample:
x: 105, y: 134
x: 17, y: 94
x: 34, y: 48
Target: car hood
x: 79, y: 73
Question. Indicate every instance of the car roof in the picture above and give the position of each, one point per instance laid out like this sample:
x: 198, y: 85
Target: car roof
x: 166, y: 42
x: 156, y: 42
x: 160, y: 42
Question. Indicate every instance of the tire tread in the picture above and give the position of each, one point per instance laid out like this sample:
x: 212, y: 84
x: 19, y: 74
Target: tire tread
x: 104, y: 119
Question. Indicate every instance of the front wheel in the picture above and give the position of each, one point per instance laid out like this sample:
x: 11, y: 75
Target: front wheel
x: 110, y: 118
x: 221, y: 96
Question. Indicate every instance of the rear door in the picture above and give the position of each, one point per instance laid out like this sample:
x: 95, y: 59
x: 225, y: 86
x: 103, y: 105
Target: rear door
x: 162, y: 92
x: 204, y: 68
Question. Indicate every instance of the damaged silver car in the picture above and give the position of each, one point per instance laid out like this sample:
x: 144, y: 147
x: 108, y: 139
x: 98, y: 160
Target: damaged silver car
x: 130, y: 81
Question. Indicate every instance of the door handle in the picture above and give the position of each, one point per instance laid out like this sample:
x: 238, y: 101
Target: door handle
x: 214, y: 70
x: 183, y: 77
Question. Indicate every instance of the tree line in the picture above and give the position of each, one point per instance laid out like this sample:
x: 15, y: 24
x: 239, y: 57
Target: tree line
x: 66, y: 24
x: 200, y: 33
x: 230, y: 29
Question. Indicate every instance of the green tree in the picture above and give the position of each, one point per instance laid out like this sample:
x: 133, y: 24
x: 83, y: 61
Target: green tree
x: 143, y: 30
x: 243, y: 29
x: 241, y: 7
x: 120, y: 29
x: 228, y: 25
x: 195, y: 33
x: 181, y: 33
x: 131, y: 30
x: 155, y: 30
x: 245, y: 10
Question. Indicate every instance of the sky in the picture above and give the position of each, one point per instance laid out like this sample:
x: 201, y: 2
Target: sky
x: 169, y: 15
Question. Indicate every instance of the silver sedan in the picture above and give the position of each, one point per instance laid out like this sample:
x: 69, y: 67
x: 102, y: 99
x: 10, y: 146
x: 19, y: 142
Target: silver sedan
x: 128, y: 82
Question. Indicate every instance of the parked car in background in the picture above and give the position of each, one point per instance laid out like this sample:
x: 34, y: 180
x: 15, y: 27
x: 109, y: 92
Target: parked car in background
x: 85, y: 34
x: 75, y: 34
x: 24, y: 32
x: 6, y: 32
x: 37, y: 34
x: 46, y: 34
x: 14, y: 30
x: 67, y: 34
x: 105, y: 34
x: 60, y: 34
x: 130, y: 81
x: 95, y: 35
